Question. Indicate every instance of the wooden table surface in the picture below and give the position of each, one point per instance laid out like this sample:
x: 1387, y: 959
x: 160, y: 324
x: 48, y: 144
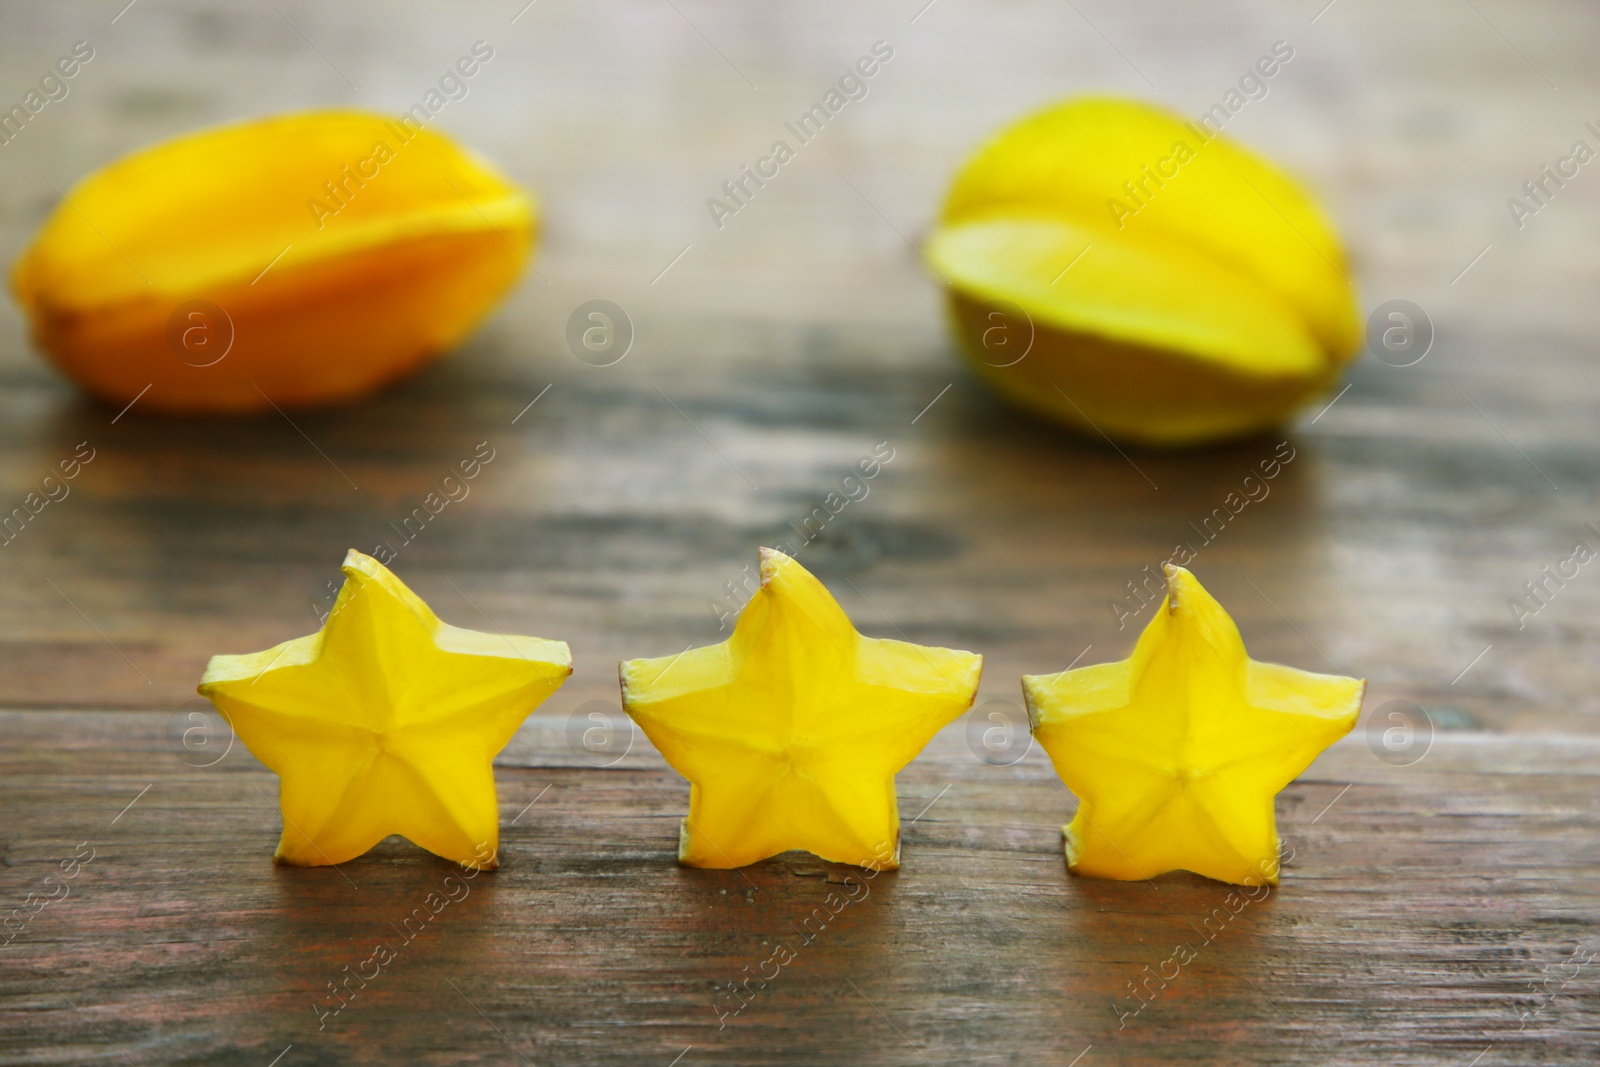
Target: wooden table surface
x: 1440, y: 912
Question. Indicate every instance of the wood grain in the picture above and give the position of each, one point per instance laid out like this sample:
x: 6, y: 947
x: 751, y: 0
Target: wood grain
x: 1416, y: 909
x: 771, y: 354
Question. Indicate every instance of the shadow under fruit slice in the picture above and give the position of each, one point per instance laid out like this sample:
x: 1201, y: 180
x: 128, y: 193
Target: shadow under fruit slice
x: 1211, y: 304
x: 308, y: 258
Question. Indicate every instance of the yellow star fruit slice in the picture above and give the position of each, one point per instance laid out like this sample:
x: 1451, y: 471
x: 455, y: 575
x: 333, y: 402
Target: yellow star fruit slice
x: 298, y: 260
x: 1168, y: 286
x: 386, y: 721
x: 791, y: 731
x: 1176, y: 753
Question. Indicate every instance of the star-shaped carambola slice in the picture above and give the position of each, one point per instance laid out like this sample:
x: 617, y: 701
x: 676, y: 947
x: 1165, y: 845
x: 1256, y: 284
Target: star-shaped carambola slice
x: 792, y: 730
x: 385, y: 722
x: 1177, y: 752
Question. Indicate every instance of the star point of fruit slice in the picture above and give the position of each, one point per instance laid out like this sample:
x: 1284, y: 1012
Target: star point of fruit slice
x: 792, y: 730
x: 1176, y: 753
x: 385, y: 721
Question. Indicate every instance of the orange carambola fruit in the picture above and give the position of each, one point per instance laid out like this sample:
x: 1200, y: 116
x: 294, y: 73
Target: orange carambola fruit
x: 1131, y: 274
x: 790, y: 732
x: 1177, y: 752
x: 299, y: 260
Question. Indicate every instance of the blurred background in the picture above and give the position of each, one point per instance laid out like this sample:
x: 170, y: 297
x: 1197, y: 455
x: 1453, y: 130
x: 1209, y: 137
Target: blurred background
x: 770, y: 355
x: 773, y: 352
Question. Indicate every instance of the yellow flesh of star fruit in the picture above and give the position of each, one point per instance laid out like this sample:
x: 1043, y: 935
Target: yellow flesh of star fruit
x: 792, y: 730
x: 1177, y: 752
x: 385, y: 722
x: 298, y: 260
x: 1210, y: 301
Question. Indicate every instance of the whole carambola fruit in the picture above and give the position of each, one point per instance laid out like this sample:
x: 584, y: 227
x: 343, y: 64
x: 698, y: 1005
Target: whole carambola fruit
x: 292, y: 261
x: 1129, y: 273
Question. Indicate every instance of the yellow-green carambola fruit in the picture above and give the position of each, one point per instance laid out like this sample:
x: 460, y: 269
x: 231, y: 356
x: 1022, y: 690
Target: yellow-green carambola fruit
x: 1131, y: 274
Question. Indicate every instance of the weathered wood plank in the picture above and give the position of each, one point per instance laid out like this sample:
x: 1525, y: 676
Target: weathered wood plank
x: 1419, y: 909
x: 1415, y: 912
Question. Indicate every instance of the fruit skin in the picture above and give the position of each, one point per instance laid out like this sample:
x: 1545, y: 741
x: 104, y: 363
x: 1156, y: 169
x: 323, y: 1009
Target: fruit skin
x: 1167, y: 407
x: 1176, y: 753
x: 1215, y: 309
x: 792, y: 730
x: 323, y: 299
